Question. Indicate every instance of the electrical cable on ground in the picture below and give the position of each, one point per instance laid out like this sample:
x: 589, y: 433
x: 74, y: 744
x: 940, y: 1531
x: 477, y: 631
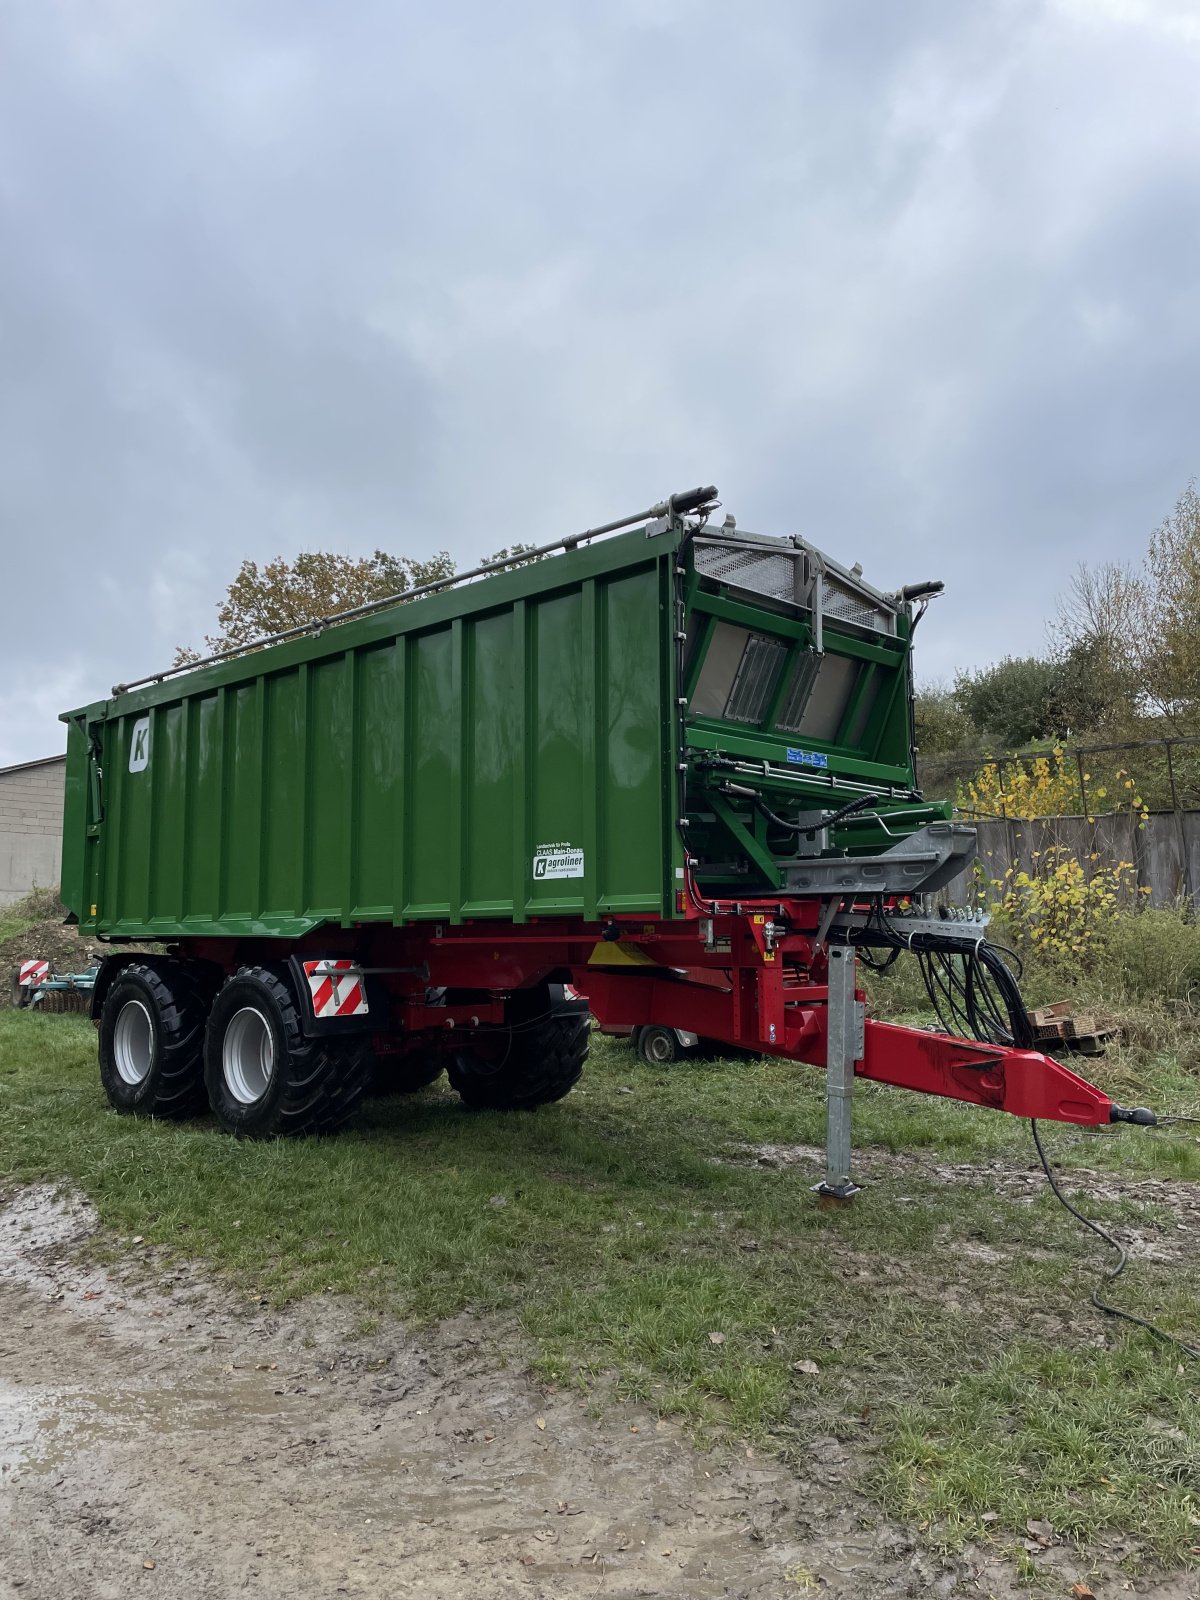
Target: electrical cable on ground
x: 1111, y: 1273
x: 974, y: 992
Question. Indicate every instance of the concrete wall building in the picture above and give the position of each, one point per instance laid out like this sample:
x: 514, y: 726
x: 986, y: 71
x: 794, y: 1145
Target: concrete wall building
x: 31, y: 825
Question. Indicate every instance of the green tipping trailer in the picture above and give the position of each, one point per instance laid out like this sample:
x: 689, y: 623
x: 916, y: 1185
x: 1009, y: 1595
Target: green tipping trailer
x: 664, y: 769
x: 506, y: 748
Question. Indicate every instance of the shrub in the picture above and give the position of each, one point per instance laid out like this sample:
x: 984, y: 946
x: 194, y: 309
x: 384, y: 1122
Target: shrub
x: 1048, y: 786
x: 1059, y: 910
x: 1155, y: 956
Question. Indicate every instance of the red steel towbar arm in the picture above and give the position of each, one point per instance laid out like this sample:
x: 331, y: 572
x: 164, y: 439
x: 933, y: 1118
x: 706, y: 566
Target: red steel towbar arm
x: 1023, y: 1082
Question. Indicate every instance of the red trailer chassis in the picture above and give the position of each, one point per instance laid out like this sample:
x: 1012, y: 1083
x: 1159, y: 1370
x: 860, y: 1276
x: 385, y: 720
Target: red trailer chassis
x: 747, y: 977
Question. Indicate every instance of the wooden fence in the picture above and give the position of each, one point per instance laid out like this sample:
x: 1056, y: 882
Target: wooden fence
x: 1165, y: 852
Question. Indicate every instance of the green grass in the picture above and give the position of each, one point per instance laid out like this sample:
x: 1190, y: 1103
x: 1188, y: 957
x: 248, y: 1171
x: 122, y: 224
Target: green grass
x: 957, y: 1354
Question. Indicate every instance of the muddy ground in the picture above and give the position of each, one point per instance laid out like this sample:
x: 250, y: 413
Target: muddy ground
x: 158, y: 1436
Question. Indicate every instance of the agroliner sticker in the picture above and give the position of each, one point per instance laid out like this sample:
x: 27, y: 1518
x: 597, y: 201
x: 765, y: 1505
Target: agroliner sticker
x: 557, y: 861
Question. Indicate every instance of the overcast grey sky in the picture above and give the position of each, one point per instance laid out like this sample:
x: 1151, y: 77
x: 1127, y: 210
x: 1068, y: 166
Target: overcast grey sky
x: 916, y: 278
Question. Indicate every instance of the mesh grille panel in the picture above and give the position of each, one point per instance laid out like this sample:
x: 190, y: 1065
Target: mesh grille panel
x: 803, y: 679
x: 756, y: 674
x: 847, y: 605
x: 763, y: 571
x: 785, y: 574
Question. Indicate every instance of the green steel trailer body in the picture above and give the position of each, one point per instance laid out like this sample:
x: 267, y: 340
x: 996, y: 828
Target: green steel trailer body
x: 669, y: 764
x: 504, y: 749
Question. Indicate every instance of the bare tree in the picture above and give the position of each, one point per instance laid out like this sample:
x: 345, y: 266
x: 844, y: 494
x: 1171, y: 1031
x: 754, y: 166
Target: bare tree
x: 1131, y: 636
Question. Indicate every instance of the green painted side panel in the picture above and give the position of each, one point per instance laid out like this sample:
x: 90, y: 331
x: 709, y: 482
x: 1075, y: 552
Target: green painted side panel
x: 133, y: 796
x: 379, y: 814
x: 202, y: 843
x: 494, y: 721
x: 240, y: 799
x: 76, y: 857
x: 630, y: 651
x: 166, y: 854
x: 406, y: 767
x: 433, y: 776
x: 282, y: 822
x: 561, y: 741
x: 326, y: 827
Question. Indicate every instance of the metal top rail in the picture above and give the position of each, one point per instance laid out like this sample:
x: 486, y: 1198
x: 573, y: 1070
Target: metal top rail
x: 676, y: 505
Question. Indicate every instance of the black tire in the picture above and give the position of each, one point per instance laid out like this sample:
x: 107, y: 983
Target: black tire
x: 659, y: 1047
x: 151, y: 1041
x: 405, y: 1074
x: 537, y: 1059
x: 265, y: 1080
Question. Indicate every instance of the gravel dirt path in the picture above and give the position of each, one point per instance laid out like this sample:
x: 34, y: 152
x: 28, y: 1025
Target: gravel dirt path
x: 158, y: 1436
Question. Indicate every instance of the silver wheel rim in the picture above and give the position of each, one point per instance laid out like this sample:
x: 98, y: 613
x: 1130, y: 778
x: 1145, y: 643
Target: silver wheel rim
x: 133, y: 1043
x: 658, y: 1048
x: 248, y: 1055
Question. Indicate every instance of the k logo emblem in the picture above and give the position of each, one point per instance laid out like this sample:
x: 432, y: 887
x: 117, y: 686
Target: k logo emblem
x: 139, y: 745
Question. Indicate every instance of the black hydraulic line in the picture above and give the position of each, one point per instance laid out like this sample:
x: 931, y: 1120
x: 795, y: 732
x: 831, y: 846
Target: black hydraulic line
x: 830, y: 821
x: 973, y: 991
x: 1112, y: 1273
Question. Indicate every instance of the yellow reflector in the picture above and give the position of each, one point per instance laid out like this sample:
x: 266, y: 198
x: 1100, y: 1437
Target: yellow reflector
x: 616, y: 954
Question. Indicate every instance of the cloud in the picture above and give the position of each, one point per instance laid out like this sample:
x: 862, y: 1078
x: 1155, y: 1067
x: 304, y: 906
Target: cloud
x: 916, y: 281
x: 30, y: 701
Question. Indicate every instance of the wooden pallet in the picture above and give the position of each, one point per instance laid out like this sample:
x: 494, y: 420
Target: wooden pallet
x: 1056, y: 1027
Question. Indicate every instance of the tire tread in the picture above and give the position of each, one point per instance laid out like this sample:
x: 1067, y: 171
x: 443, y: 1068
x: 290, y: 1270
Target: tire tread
x: 178, y: 1087
x: 327, y: 1076
x: 546, y: 1062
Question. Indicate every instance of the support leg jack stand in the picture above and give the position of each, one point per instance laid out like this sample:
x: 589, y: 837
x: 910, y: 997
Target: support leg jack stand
x: 843, y: 1049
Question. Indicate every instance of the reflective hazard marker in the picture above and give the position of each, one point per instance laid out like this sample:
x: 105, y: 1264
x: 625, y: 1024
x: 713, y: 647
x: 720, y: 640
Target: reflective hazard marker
x: 336, y: 988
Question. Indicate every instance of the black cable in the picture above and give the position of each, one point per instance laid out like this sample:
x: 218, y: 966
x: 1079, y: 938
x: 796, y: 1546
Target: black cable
x: 971, y: 988
x: 1111, y: 1273
x: 868, y: 959
x: 831, y: 820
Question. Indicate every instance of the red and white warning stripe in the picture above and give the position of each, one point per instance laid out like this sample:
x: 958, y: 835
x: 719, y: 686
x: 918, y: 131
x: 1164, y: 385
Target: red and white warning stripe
x: 337, y: 988
x: 32, y: 973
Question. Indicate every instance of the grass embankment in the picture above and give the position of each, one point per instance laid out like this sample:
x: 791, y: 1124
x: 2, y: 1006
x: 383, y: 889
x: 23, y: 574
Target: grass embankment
x: 20, y: 916
x: 945, y: 1312
x: 33, y: 929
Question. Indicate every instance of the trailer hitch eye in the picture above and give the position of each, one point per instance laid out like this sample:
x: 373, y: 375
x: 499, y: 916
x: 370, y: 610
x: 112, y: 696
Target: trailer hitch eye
x: 1139, y: 1116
